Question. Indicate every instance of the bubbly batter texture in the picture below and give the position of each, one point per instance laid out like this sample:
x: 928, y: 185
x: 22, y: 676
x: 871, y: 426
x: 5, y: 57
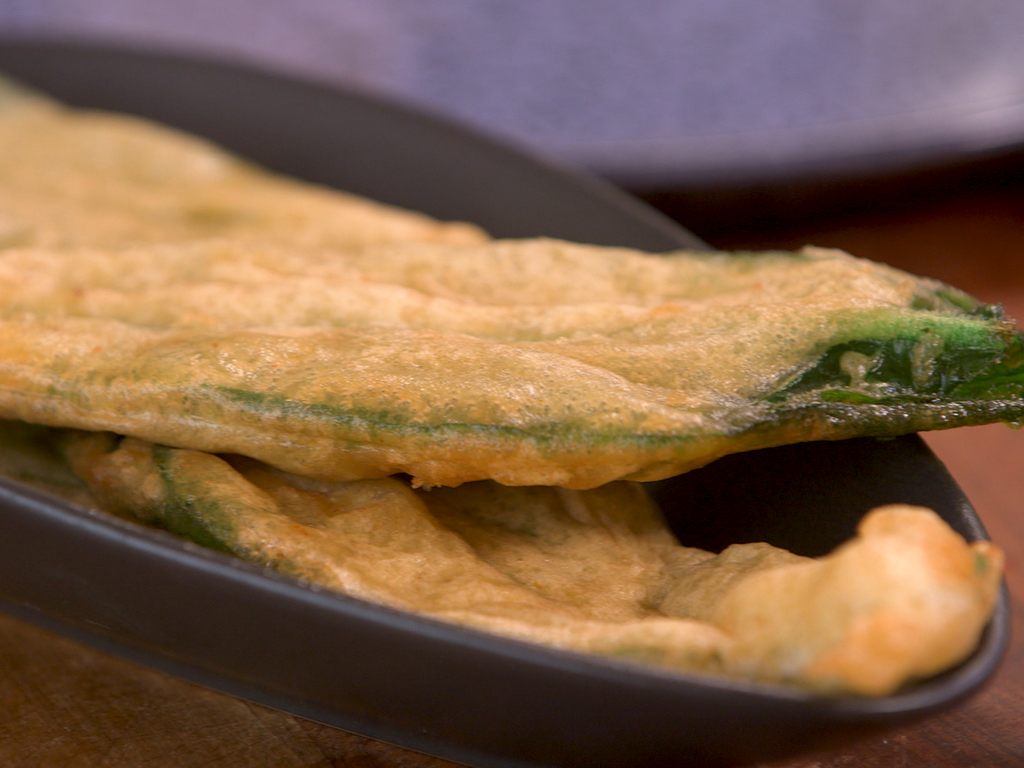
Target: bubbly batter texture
x: 154, y: 286
x: 596, y: 571
x: 253, y: 362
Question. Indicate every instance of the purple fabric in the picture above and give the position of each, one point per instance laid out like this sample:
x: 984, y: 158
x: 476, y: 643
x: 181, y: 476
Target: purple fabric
x: 646, y: 91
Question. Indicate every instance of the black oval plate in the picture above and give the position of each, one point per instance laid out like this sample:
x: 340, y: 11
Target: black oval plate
x: 440, y: 689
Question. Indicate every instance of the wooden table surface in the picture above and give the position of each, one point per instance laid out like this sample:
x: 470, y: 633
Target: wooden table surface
x: 67, y: 706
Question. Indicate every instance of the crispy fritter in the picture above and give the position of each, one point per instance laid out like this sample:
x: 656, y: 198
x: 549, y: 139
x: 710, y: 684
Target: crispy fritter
x: 595, y: 571
x: 335, y: 338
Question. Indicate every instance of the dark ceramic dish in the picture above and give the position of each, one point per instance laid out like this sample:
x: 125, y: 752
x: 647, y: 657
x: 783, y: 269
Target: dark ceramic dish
x: 444, y: 690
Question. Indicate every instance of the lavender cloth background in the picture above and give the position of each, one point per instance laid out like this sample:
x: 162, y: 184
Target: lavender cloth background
x: 646, y: 92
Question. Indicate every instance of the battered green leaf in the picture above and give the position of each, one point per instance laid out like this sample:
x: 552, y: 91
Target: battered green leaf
x: 153, y: 286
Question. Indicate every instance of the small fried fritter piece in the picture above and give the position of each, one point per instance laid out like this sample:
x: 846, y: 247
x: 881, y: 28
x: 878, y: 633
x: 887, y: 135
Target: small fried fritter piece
x: 904, y: 600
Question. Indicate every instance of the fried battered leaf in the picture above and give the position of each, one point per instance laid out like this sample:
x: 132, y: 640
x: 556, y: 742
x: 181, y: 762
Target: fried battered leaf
x: 74, y: 177
x: 378, y: 540
x: 594, y: 571
x: 320, y: 373
x: 154, y: 286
